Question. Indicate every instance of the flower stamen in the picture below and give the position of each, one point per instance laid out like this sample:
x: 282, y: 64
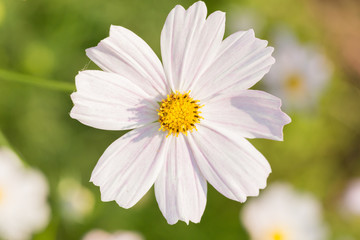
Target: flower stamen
x: 179, y: 113
x: 278, y: 235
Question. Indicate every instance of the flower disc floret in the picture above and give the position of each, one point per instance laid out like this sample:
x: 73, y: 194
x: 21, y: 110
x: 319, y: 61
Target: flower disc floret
x: 179, y: 113
x: 277, y: 235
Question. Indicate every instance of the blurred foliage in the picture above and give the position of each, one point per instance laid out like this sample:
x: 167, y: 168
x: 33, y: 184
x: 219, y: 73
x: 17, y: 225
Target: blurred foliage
x: 47, y: 39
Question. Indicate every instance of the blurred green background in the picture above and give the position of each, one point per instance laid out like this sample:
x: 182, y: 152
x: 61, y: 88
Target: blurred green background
x: 47, y: 39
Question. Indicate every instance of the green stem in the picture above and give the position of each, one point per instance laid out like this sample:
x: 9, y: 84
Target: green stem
x: 36, y: 81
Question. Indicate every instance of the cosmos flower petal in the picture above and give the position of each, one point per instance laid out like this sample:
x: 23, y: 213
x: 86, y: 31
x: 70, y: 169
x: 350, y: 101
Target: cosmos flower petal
x: 181, y: 189
x: 241, y: 61
x: 111, y: 102
x: 229, y: 162
x: 124, y: 53
x: 254, y: 114
x: 189, y: 42
x: 130, y: 165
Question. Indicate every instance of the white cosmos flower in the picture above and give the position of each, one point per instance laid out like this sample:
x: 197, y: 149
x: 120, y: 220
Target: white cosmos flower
x: 77, y: 201
x: 281, y: 213
x: 181, y: 139
x: 300, y: 74
x: 97, y: 234
x: 23, y: 198
x: 351, y: 198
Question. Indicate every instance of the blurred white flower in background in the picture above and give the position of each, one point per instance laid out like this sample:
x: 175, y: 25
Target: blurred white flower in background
x: 281, y: 213
x: 119, y: 235
x: 76, y: 201
x: 23, y: 198
x: 351, y: 199
x: 300, y: 73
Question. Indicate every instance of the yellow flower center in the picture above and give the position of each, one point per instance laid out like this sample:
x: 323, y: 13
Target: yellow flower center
x: 277, y: 236
x: 295, y: 84
x: 179, y: 113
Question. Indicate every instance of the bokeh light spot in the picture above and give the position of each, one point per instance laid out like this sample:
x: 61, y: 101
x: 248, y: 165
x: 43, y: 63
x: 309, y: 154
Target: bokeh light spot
x: 2, y: 12
x: 38, y: 59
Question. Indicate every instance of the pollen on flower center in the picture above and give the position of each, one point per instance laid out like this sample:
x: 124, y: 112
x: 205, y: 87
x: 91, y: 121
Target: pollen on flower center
x: 295, y: 84
x: 179, y: 113
x: 277, y: 235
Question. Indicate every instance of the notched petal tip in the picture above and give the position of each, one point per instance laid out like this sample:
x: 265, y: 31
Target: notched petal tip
x: 130, y: 165
x: 72, y: 114
x: 90, y: 51
x: 272, y: 58
x: 200, y: 8
x: 288, y: 119
x: 256, y: 193
x: 177, y: 8
x: 217, y: 16
x: 113, y: 27
x: 126, y: 206
x: 219, y: 13
x: 172, y: 221
x: 285, y: 119
x: 199, y: 4
x: 187, y: 221
x: 251, y: 32
x: 245, y: 170
x: 83, y: 77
